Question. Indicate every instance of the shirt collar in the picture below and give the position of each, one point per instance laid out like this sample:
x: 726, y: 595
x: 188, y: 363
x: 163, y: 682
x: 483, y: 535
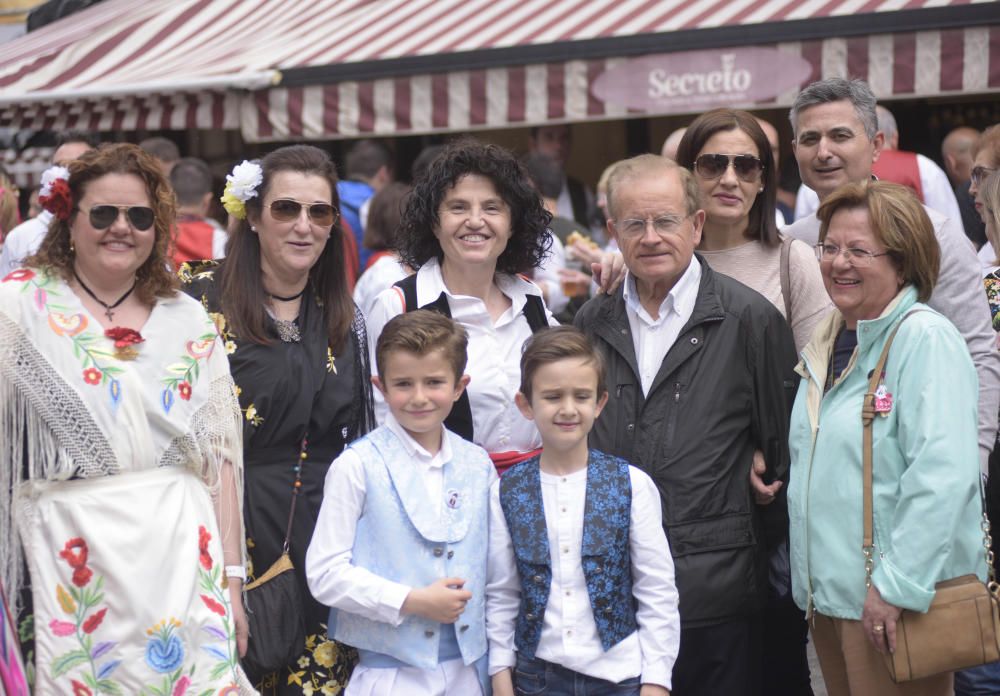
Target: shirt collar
x: 430, y: 285
x: 415, y: 449
x: 681, y: 298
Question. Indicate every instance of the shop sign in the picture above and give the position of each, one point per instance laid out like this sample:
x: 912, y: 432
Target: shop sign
x: 698, y: 80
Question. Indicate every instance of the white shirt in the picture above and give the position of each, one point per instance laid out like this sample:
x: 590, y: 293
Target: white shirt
x: 937, y: 190
x: 379, y: 276
x: 494, y: 355
x: 547, y: 275
x: 333, y: 580
x: 569, y: 635
x: 653, y: 338
x: 23, y: 241
x: 987, y: 257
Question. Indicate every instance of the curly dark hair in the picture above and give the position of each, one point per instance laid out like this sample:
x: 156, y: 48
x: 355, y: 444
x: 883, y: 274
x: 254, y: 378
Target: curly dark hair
x: 529, y: 238
x: 153, y: 278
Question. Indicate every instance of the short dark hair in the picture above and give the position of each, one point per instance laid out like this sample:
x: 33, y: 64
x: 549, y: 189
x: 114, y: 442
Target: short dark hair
x: 77, y: 136
x: 545, y: 172
x: 761, y: 225
x: 898, y: 221
x: 423, y: 161
x: 191, y: 179
x: 420, y: 332
x: 153, y: 278
x: 529, y: 221
x: 554, y: 344
x: 384, y: 213
x: 365, y: 158
x: 161, y: 148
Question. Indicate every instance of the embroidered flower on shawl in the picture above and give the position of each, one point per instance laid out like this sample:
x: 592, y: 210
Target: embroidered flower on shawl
x: 70, y: 325
x: 20, y: 275
x: 325, y: 654
x: 62, y: 628
x: 75, y: 552
x: 181, y: 687
x: 241, y: 186
x: 54, y: 194
x: 124, y: 339
x: 213, y: 605
x: 184, y: 391
x: 203, y: 556
x: 79, y: 689
x: 91, y: 624
x: 164, y: 651
x: 92, y: 375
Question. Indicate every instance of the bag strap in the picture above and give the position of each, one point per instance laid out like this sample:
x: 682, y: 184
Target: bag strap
x: 296, y: 487
x: 786, y: 284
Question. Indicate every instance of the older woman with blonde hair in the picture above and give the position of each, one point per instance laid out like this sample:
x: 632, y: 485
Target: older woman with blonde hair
x: 120, y: 448
x: 879, y: 259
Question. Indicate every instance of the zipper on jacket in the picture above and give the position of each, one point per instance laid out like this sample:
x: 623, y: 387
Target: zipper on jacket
x: 810, y: 603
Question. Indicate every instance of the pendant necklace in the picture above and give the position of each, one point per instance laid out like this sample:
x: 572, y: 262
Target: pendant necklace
x: 108, y: 308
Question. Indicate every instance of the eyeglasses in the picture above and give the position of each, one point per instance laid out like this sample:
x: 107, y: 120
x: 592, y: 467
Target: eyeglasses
x: 103, y: 216
x: 979, y: 173
x: 287, y: 210
x: 663, y: 225
x: 747, y: 167
x: 859, y: 258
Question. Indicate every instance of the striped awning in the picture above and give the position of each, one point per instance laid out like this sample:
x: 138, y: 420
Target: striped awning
x: 318, y: 69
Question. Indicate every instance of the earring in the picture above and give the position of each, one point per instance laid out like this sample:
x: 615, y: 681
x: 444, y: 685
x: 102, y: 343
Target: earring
x: 253, y: 228
x: 72, y: 247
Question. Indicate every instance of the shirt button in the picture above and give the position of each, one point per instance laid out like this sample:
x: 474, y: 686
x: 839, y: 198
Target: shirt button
x: 694, y: 341
x: 630, y: 427
x: 565, y: 549
x: 564, y: 509
x: 569, y: 633
x: 451, y: 554
x: 564, y: 479
x: 429, y: 634
x: 439, y: 552
x: 463, y: 627
x: 568, y: 593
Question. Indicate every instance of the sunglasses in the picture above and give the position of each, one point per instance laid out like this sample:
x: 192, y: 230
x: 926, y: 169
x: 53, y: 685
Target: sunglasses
x: 747, y: 167
x: 103, y: 216
x: 287, y: 210
x: 979, y: 174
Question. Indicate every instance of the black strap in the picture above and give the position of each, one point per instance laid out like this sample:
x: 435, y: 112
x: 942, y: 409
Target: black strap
x: 459, y: 421
x: 786, y: 283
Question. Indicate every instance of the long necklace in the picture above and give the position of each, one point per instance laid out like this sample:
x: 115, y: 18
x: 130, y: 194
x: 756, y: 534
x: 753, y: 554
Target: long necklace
x: 108, y: 308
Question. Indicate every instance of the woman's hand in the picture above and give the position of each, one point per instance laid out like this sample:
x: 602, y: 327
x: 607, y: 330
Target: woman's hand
x: 879, y: 621
x: 610, y: 272
x: 239, y: 614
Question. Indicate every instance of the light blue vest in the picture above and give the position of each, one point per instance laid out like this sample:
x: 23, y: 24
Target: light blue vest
x: 399, y: 538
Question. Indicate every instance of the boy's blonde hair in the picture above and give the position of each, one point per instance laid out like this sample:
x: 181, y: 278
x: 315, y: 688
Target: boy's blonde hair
x: 554, y: 344
x: 420, y: 332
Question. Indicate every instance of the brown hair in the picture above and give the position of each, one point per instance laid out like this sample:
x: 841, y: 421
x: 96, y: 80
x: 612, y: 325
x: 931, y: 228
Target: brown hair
x: 384, y: 214
x: 761, y: 225
x: 989, y: 140
x: 554, y: 344
x: 990, y: 193
x: 154, y: 278
x: 243, y: 295
x: 643, y: 165
x: 899, y: 223
x: 9, y: 214
x: 421, y: 332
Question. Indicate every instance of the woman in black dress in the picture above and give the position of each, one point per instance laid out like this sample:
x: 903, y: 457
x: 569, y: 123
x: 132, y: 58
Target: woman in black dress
x: 297, y: 352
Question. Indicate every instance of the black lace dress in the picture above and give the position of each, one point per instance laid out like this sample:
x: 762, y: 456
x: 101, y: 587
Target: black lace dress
x: 287, y: 389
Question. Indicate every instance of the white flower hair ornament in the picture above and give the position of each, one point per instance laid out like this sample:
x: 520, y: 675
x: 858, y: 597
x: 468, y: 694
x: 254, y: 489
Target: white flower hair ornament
x: 241, y: 186
x: 54, y: 194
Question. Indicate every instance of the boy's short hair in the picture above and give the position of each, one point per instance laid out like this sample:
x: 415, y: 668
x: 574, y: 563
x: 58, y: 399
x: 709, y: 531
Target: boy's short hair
x: 554, y: 344
x: 420, y: 332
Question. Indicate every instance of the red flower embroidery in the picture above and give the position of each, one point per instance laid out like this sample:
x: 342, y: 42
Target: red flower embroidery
x: 91, y: 624
x: 20, y: 274
x: 124, y: 337
x: 81, y: 576
x: 184, y: 390
x: 75, y: 552
x: 92, y: 375
x: 213, y: 605
x: 60, y: 201
x: 79, y: 689
x: 203, y: 538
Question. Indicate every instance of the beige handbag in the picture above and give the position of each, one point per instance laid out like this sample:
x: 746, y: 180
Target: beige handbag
x: 962, y: 627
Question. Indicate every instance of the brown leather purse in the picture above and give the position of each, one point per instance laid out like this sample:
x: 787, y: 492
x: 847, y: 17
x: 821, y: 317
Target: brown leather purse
x: 962, y: 626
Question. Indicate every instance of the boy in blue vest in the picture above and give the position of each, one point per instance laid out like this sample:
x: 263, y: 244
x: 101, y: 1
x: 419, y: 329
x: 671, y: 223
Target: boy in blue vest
x: 399, y: 550
x: 581, y: 595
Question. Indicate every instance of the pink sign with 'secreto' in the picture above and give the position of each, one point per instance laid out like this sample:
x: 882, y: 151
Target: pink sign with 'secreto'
x: 692, y: 80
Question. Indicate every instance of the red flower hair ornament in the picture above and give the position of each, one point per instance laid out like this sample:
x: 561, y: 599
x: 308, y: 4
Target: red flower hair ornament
x: 54, y: 194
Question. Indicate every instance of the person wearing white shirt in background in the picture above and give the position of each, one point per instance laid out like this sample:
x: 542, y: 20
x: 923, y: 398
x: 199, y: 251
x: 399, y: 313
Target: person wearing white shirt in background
x: 560, y: 620
x: 399, y: 551
x: 24, y: 240
x: 384, y: 267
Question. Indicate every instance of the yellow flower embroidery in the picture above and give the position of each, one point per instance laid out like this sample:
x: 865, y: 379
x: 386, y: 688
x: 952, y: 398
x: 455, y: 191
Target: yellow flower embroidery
x: 65, y: 601
x: 330, y: 365
x: 325, y: 654
x: 251, y: 415
x: 230, y: 347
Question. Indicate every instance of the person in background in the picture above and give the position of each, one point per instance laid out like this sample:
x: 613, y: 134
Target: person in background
x: 24, y: 240
x: 956, y: 152
x: 384, y: 266
x: 423, y: 161
x: 298, y: 352
x: 669, y: 149
x: 10, y: 215
x: 784, y: 202
x: 879, y: 257
x: 197, y: 235
x: 368, y: 168
x: 164, y: 150
x: 575, y: 201
x: 989, y: 191
x: 986, y: 160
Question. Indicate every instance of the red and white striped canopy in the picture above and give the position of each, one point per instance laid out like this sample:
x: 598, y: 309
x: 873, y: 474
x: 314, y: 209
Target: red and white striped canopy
x: 316, y: 69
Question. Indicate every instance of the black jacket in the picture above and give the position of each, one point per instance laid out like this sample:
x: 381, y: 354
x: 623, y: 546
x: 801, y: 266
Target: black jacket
x: 724, y: 389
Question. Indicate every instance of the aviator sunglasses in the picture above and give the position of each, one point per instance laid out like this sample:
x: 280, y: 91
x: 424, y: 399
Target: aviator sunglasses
x: 103, y: 216
x: 747, y: 167
x: 287, y: 210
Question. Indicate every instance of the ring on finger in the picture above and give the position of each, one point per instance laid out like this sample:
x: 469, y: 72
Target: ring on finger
x: 879, y: 628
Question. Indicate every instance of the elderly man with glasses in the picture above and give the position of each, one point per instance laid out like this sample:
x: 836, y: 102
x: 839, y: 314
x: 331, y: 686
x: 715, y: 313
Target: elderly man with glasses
x: 699, y: 373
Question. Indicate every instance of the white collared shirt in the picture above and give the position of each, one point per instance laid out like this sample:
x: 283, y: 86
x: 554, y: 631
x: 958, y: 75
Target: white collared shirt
x: 569, y: 633
x: 23, y: 241
x: 333, y: 580
x: 494, y: 354
x: 653, y: 338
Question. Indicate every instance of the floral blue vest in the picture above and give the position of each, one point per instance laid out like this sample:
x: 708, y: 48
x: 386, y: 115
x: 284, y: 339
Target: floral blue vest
x: 606, y: 559
x: 399, y: 538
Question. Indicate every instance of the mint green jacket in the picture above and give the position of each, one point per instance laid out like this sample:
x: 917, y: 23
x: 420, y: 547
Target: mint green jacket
x: 926, y: 467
